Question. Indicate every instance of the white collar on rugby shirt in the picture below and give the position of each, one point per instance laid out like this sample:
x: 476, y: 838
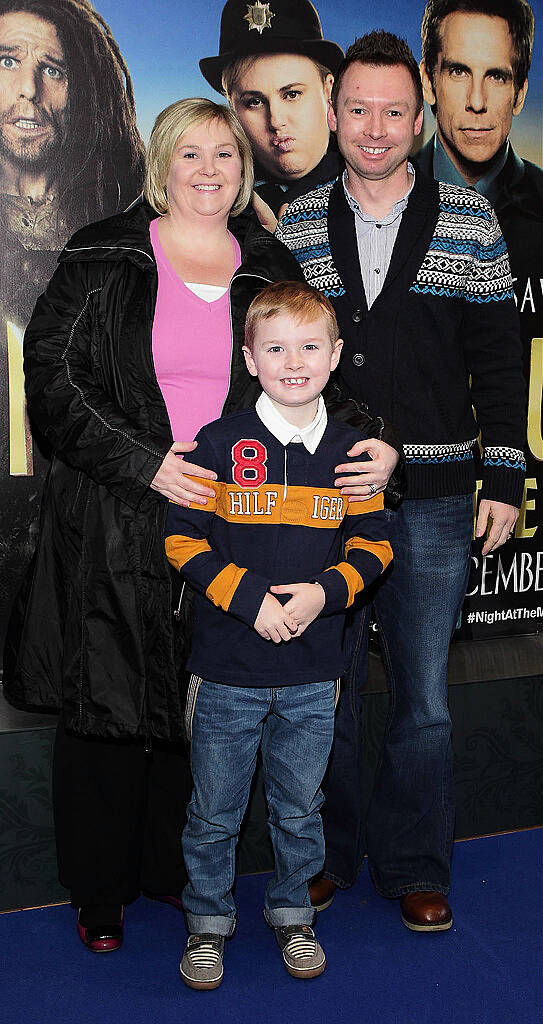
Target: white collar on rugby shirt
x: 286, y: 432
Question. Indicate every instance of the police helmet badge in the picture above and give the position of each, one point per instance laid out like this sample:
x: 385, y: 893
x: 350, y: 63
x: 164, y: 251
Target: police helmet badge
x: 259, y: 16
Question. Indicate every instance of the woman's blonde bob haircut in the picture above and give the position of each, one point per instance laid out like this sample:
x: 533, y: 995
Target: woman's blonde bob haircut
x: 174, y: 121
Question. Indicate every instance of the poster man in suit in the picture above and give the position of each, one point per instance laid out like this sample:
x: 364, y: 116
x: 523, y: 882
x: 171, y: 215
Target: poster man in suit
x: 476, y: 56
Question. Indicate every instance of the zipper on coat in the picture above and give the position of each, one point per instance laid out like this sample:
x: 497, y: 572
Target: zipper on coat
x: 177, y: 612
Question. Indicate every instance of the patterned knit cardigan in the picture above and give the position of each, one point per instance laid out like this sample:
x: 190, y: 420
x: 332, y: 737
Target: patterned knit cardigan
x: 465, y: 262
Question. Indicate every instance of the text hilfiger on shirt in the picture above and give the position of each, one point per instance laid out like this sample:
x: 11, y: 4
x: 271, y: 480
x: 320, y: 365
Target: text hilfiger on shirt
x: 300, y: 504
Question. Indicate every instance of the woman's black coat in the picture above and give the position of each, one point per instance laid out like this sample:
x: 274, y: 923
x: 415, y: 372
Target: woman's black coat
x: 96, y: 636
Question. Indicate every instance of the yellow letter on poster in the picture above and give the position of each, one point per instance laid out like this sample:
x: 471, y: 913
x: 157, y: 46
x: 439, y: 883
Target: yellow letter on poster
x: 535, y: 394
x: 20, y: 439
x: 528, y: 505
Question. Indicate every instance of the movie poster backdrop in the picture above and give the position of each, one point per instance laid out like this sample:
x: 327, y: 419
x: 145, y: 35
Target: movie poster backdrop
x: 74, y: 110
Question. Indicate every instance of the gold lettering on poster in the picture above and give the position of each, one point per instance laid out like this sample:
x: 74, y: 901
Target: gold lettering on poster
x: 478, y: 485
x: 20, y: 438
x: 535, y: 396
x: 528, y: 505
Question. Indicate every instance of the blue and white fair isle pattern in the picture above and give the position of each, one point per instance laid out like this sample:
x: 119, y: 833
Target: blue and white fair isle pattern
x: 466, y: 259
x: 435, y: 454
x: 508, y: 458
x: 304, y: 230
x: 467, y: 256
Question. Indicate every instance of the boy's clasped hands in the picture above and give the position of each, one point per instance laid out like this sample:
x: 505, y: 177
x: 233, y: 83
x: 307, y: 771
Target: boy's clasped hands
x: 283, y: 622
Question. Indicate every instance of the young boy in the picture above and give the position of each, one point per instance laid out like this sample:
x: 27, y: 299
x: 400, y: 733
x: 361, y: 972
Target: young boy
x: 276, y: 517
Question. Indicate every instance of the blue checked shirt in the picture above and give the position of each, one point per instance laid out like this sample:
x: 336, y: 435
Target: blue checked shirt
x: 375, y: 239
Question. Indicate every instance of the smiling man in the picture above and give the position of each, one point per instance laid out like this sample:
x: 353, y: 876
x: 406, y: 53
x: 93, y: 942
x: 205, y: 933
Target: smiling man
x: 276, y: 70
x: 418, y: 275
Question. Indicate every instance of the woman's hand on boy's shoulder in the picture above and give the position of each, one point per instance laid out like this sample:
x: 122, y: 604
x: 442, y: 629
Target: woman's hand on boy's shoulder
x: 172, y: 480
x: 369, y: 476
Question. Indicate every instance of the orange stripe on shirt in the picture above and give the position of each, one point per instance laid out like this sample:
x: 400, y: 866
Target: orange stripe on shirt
x: 352, y: 578
x: 224, y: 586
x: 380, y: 548
x: 180, y: 550
x: 211, y: 503
x: 299, y: 508
x: 359, y: 508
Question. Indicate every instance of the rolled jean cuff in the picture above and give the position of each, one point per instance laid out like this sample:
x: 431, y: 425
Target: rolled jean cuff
x: 200, y: 924
x: 280, y: 917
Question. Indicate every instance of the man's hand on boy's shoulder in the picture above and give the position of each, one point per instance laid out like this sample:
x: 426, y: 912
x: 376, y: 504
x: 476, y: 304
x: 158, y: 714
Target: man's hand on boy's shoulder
x: 306, y: 603
x: 274, y: 622
x: 369, y: 476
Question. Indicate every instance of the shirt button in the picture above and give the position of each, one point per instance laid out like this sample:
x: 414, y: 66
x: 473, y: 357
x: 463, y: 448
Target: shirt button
x: 377, y: 270
x: 357, y: 316
x: 359, y: 359
x: 378, y: 226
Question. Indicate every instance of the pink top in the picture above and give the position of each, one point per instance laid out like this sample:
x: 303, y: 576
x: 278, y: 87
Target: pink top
x: 192, y: 344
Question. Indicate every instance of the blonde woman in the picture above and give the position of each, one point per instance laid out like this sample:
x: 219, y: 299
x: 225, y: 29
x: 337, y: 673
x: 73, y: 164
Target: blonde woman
x: 136, y: 343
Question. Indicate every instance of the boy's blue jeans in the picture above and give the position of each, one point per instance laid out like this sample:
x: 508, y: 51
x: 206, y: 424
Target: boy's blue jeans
x: 294, y: 725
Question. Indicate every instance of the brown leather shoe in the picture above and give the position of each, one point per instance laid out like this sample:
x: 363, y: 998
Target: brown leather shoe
x: 321, y: 893
x: 426, y: 911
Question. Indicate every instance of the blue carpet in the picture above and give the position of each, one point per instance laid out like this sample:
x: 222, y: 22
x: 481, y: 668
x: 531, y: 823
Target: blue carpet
x: 485, y: 970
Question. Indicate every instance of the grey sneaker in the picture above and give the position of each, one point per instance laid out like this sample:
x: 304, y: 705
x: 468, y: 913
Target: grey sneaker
x: 202, y: 963
x: 302, y: 954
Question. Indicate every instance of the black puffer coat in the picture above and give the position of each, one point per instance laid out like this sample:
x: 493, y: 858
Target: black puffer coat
x: 96, y: 638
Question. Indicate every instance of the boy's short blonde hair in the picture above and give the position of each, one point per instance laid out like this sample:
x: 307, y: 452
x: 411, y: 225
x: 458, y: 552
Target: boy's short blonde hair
x: 171, y: 123
x: 297, y: 299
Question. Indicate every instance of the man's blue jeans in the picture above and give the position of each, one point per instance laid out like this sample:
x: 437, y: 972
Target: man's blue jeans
x: 294, y: 726
x: 410, y: 820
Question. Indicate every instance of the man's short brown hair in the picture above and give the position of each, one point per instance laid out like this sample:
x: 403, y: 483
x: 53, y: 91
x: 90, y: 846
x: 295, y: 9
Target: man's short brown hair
x: 380, y: 49
x: 293, y: 298
x: 517, y: 13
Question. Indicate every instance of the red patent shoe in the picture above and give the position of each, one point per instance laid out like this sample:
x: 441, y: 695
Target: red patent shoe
x: 101, y: 938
